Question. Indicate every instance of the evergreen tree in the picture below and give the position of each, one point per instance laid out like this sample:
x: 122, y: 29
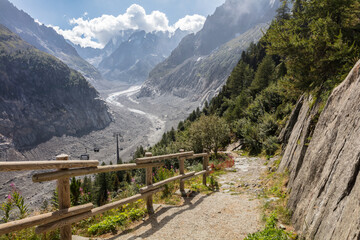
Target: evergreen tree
x: 102, y: 188
x: 180, y: 126
x: 172, y: 136
x: 283, y: 12
x: 319, y: 43
x: 75, y: 191
x: 264, y: 75
x: 87, y: 185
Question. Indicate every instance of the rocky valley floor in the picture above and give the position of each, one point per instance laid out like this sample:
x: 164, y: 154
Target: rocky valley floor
x: 140, y: 122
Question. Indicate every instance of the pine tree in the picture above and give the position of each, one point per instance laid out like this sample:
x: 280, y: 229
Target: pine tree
x: 102, y: 188
x: 264, y: 75
x: 75, y: 191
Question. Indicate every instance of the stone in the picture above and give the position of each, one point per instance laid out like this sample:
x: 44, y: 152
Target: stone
x: 186, y: 193
x: 324, y: 162
x: 282, y: 227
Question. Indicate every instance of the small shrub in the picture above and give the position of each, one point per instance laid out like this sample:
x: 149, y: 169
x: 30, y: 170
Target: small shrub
x: 111, y: 223
x: 271, y: 231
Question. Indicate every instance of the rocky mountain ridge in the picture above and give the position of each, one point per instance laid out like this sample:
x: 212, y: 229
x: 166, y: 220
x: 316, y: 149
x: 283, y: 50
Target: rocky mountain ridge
x: 201, y: 78
x: 135, y: 57
x: 229, y: 21
x: 95, y: 55
x: 45, y: 39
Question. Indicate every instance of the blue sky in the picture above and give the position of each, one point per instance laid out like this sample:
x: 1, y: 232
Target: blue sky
x: 59, y: 13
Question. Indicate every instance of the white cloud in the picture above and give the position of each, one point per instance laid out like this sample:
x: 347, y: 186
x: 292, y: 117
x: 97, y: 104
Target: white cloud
x: 192, y: 23
x: 97, y: 32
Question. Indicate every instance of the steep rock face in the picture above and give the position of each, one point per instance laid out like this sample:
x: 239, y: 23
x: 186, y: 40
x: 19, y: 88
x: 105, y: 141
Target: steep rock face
x: 45, y: 39
x: 41, y: 97
x: 201, y: 77
x: 324, y: 170
x: 136, y: 57
x: 231, y: 20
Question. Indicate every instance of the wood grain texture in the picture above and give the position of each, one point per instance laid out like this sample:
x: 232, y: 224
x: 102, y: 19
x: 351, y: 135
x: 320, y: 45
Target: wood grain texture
x: 42, y: 177
x: 36, y: 165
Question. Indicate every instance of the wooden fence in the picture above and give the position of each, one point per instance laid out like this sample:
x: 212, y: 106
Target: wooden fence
x: 66, y: 215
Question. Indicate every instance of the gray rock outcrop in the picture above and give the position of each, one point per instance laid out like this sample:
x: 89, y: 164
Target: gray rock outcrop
x: 324, y: 162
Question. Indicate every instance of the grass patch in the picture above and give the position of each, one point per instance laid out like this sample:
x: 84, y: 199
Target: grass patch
x: 271, y: 231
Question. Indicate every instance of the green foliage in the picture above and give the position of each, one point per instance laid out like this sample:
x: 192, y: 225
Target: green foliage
x: 19, y: 202
x: 6, y: 207
x: 240, y: 79
x: 14, y: 199
x: 319, y: 43
x: 102, y: 188
x: 271, y: 231
x: 112, y: 223
x: 75, y: 185
x: 213, y: 184
x: 210, y: 132
x: 162, y: 174
x: 55, y: 199
x: 265, y: 74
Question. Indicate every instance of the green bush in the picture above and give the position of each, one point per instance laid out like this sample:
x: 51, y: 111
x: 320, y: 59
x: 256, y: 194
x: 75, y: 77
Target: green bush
x: 270, y: 145
x: 111, y: 223
x: 271, y: 231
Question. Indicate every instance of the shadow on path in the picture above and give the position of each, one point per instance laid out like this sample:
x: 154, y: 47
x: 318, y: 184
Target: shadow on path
x: 155, y: 225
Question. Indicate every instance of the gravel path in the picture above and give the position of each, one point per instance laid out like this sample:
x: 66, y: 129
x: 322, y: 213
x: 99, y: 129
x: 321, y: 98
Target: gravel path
x: 231, y: 213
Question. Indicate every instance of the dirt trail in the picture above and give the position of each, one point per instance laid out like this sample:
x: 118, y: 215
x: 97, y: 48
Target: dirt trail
x: 231, y: 213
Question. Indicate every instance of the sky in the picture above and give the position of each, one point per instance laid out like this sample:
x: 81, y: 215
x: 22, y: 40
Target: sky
x: 94, y: 22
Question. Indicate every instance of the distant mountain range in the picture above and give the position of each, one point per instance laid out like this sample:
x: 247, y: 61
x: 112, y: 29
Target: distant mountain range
x: 45, y: 39
x: 200, y: 64
x: 41, y: 97
x: 96, y: 55
x: 134, y: 58
x: 132, y: 54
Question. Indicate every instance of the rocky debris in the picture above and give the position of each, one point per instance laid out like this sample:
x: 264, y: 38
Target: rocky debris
x: 324, y: 168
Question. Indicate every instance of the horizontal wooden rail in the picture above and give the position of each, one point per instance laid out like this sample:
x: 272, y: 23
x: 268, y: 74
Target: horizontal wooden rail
x: 195, y: 175
x: 161, y: 183
x: 36, y: 165
x: 93, y: 212
x: 163, y: 157
x: 43, y: 218
x: 49, y: 176
x: 198, y: 155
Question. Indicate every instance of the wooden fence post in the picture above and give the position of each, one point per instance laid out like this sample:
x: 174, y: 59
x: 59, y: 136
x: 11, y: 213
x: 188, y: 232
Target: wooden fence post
x: 149, y: 177
x: 205, y: 167
x: 63, y: 186
x: 182, y: 171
